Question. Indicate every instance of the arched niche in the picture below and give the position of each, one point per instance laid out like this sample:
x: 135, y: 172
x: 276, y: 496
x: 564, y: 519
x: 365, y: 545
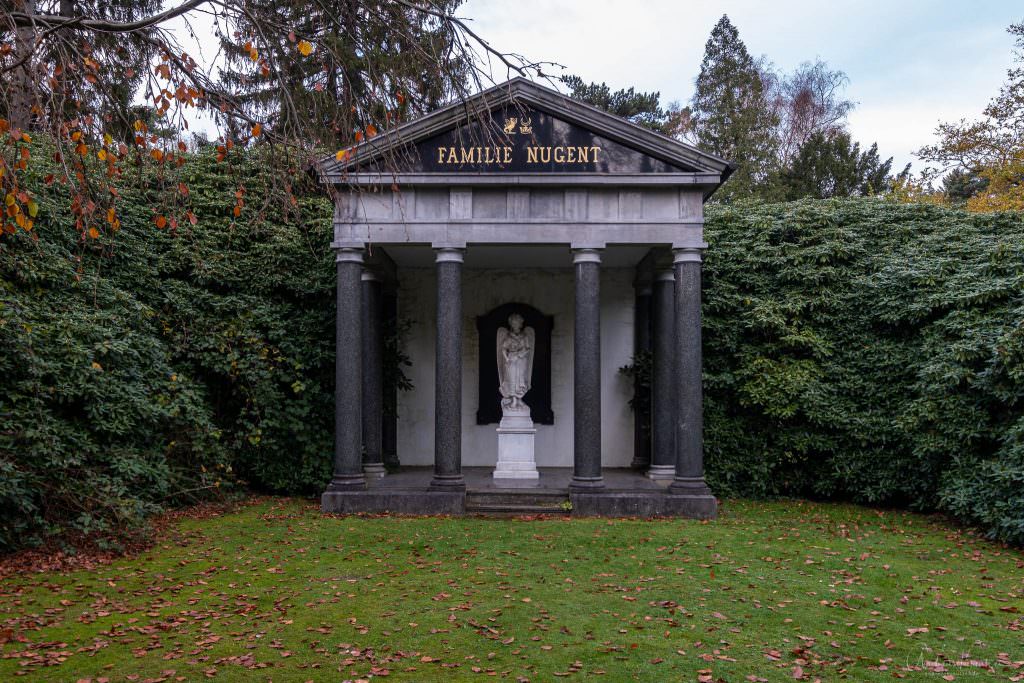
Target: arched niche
x: 539, y: 396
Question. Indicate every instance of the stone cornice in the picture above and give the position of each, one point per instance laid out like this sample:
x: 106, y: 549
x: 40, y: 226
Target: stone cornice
x: 709, y: 170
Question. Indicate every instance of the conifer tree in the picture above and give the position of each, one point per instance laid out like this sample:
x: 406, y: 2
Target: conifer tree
x: 643, y: 108
x: 374, y: 51
x: 834, y: 166
x: 731, y: 114
x: 109, y: 83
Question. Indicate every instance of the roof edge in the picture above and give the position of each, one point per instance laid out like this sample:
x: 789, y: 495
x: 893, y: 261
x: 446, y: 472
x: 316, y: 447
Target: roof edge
x: 520, y: 89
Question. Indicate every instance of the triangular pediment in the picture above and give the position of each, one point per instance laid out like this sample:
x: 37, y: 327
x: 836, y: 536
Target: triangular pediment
x: 520, y: 127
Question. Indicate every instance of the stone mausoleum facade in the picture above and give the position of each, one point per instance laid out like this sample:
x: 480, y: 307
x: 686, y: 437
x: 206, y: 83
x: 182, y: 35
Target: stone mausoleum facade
x: 533, y: 246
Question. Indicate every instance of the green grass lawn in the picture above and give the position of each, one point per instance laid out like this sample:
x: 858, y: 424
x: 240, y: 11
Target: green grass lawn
x: 771, y: 591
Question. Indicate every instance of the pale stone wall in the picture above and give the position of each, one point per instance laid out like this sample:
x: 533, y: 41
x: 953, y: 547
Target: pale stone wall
x: 550, y: 291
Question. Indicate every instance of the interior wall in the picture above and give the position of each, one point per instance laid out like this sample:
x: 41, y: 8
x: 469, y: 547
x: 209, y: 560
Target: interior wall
x: 552, y: 292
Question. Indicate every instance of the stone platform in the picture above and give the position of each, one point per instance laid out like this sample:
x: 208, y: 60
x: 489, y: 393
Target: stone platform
x: 627, y: 493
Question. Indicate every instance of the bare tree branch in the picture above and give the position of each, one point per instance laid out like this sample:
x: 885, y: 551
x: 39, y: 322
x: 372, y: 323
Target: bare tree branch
x: 56, y: 21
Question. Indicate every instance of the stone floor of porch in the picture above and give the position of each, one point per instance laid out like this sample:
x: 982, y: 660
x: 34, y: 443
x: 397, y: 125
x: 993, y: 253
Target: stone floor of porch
x: 626, y: 493
x: 554, y: 479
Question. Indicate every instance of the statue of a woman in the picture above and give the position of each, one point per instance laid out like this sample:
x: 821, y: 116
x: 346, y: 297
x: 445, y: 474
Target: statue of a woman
x: 515, y: 362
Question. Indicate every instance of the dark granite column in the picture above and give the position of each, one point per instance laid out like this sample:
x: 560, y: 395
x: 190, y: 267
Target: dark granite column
x: 448, y: 371
x: 587, y: 372
x: 641, y: 392
x: 689, y: 422
x: 348, y: 364
x: 389, y: 428
x: 663, y: 383
x: 373, y: 375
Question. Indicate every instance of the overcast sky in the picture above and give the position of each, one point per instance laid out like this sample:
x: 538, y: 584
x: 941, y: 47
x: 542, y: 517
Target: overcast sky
x: 911, y: 63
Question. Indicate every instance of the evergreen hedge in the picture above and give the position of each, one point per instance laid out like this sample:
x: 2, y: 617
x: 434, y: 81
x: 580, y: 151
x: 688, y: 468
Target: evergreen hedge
x: 152, y: 368
x: 864, y: 350
x: 854, y: 349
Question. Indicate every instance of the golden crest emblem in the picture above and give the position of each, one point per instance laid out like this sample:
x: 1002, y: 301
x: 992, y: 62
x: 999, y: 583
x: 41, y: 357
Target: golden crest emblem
x: 526, y: 126
x: 510, y: 126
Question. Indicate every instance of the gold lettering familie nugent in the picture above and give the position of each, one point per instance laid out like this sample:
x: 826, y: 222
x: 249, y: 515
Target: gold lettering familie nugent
x: 503, y: 155
x: 562, y: 155
x: 474, y: 155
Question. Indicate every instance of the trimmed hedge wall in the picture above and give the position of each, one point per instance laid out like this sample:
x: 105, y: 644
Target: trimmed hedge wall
x: 868, y: 351
x: 854, y: 349
x: 151, y: 369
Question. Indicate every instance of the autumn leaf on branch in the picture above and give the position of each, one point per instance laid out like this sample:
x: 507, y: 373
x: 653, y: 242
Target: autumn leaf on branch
x: 109, y: 84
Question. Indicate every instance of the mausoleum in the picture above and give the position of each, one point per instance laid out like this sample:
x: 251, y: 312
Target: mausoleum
x: 533, y: 246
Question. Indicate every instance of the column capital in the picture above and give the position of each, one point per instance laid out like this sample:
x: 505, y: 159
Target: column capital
x: 349, y: 254
x: 449, y: 254
x: 586, y: 255
x: 687, y: 255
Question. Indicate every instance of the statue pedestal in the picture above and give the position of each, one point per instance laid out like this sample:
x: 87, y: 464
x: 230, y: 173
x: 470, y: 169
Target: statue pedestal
x: 515, y: 446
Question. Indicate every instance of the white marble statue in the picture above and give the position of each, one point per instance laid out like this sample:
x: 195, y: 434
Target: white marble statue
x: 515, y: 363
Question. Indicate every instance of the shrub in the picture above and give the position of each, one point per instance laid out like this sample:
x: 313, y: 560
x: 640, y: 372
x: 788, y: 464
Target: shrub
x: 870, y: 351
x: 148, y: 368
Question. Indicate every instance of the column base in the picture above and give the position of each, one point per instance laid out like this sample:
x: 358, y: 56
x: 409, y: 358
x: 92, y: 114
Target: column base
x: 374, y: 469
x: 347, y: 482
x: 586, y: 483
x: 689, y: 486
x: 450, y: 482
x: 639, y: 464
x: 662, y: 473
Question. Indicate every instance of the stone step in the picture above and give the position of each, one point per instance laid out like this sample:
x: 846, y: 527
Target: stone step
x: 501, y: 510
x: 538, y: 499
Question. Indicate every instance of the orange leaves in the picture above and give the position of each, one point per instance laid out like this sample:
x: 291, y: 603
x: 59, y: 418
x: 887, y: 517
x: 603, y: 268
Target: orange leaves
x: 369, y: 132
x: 340, y: 156
x: 18, y: 208
x: 253, y: 54
x: 305, y: 48
x: 113, y: 220
x: 257, y: 130
x: 94, y: 233
x: 236, y: 210
x: 222, y: 150
x: 160, y: 222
